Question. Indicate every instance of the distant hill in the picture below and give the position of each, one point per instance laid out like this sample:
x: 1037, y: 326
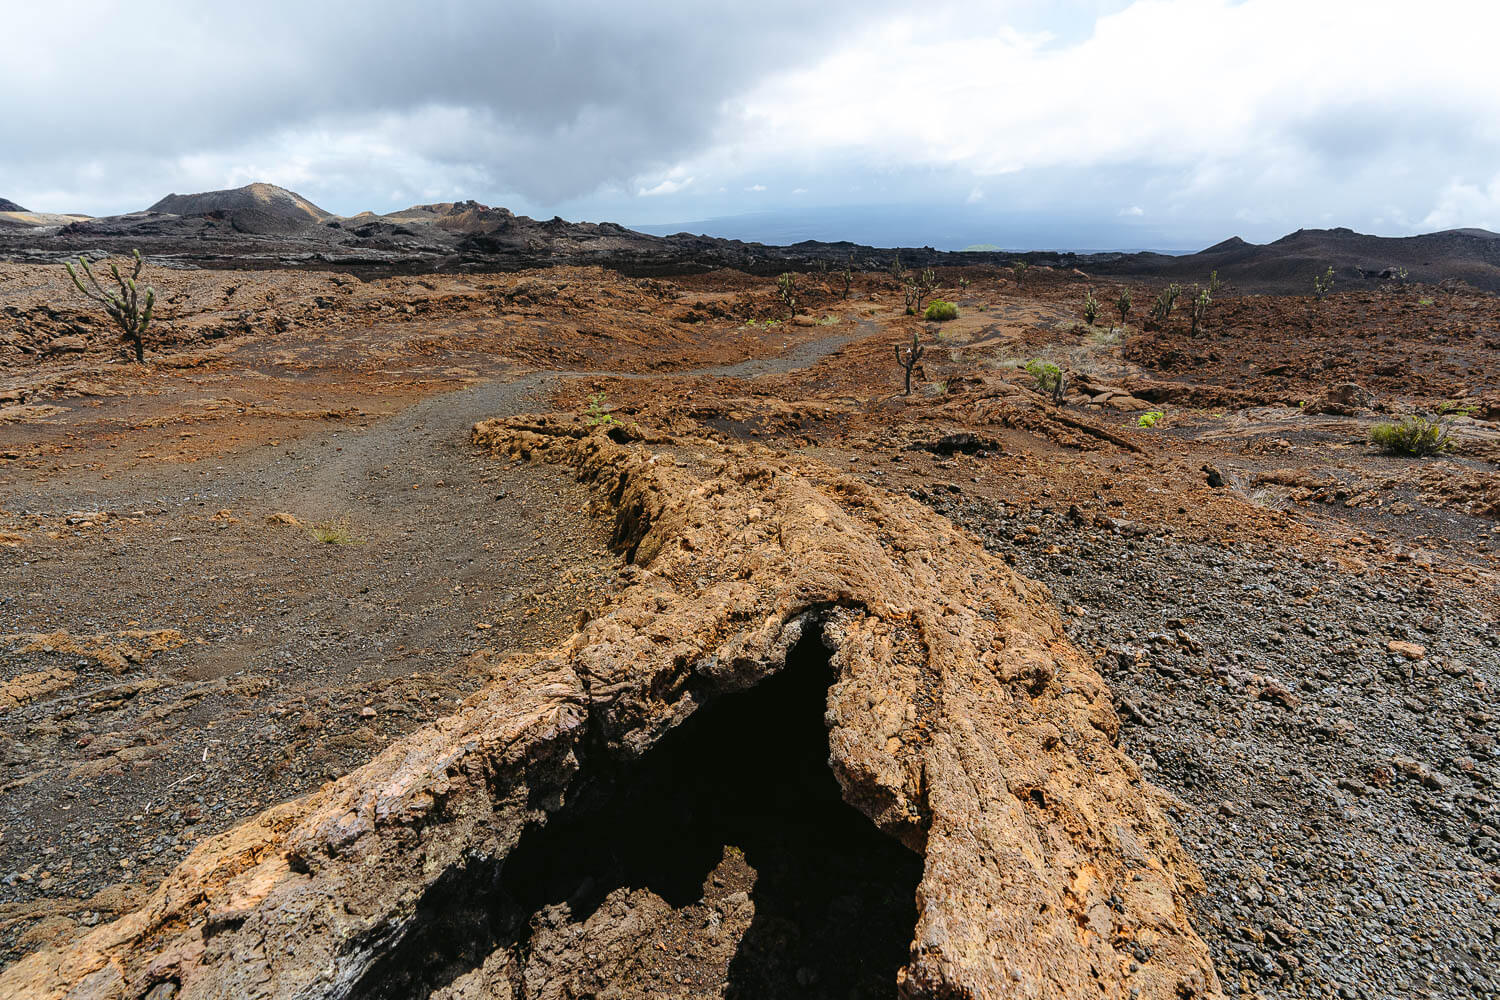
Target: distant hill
x: 1289, y: 264
x: 10, y: 206
x: 262, y: 225
x: 263, y: 198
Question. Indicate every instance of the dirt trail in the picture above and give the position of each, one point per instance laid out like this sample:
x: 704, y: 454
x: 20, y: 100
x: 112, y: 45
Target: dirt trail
x: 289, y: 661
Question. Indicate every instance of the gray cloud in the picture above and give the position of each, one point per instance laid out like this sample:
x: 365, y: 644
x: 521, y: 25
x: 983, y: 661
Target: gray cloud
x: 555, y: 98
x: 1170, y: 123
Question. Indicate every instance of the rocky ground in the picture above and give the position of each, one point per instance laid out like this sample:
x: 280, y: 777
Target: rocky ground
x: 1329, y: 734
x: 1299, y: 633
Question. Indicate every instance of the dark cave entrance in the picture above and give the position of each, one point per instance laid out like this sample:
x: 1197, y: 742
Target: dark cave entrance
x: 738, y: 797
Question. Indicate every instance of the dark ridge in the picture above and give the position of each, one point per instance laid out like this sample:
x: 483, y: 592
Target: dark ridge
x: 1233, y: 243
x: 10, y: 206
x: 263, y: 198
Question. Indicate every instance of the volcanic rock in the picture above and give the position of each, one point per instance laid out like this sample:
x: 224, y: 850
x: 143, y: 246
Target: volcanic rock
x: 266, y: 198
x: 1343, y: 398
x: 960, y: 722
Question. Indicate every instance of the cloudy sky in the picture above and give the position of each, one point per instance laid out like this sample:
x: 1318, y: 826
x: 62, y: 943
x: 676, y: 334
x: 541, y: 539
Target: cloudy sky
x: 1082, y: 123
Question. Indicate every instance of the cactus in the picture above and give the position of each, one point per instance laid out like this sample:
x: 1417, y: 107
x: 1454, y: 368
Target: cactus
x: 1323, y: 284
x: 1123, y: 304
x: 1020, y: 268
x: 1090, y: 308
x: 1165, y: 301
x: 786, y: 291
x: 848, y: 275
x: 1200, y: 310
x: 907, y: 358
x: 125, y: 308
x: 917, y: 287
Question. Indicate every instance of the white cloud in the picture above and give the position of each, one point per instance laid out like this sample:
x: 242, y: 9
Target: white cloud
x: 1134, y: 211
x: 1291, y: 107
x: 1264, y: 113
x: 1462, y: 205
x: 667, y: 186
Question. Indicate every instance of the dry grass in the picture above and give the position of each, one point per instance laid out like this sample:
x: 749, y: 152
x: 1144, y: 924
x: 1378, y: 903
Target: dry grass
x: 339, y: 531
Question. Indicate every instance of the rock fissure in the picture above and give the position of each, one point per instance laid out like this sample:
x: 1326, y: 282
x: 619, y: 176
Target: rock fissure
x: 948, y: 683
x: 728, y: 838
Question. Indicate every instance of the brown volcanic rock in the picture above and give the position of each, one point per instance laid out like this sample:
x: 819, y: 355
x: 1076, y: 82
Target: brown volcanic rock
x: 960, y: 720
x: 1341, y: 399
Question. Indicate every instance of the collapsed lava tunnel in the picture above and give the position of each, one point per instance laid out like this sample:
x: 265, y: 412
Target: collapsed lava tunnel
x: 722, y: 861
x: 695, y: 841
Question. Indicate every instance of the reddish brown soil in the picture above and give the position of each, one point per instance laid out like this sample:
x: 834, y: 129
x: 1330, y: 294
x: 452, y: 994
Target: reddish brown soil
x: 251, y: 369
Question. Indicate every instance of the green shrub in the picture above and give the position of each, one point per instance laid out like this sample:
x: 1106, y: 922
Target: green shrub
x: 940, y: 310
x: 597, y: 414
x: 1047, y: 374
x: 1149, y: 419
x: 1411, y: 436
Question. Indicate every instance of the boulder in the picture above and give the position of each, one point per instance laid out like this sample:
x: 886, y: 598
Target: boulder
x: 1341, y: 398
x: 72, y: 342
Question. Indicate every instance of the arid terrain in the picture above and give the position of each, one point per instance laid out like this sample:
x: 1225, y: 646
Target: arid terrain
x: 563, y: 633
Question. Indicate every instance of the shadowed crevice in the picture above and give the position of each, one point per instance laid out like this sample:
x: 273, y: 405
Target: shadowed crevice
x: 745, y: 778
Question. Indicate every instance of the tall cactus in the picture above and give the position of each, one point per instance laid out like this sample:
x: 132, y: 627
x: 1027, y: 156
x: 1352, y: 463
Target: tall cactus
x: 786, y: 291
x: 126, y: 308
x: 907, y: 357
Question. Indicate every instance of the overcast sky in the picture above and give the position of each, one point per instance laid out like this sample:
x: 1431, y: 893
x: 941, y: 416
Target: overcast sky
x: 1170, y: 123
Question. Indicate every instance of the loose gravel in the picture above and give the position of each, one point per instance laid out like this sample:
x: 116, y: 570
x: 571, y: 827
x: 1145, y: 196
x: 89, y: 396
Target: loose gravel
x: 1331, y: 737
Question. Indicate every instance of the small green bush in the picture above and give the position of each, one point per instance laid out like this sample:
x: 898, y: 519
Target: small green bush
x: 940, y: 310
x: 597, y: 414
x: 1046, y: 374
x: 1149, y: 419
x: 1411, y: 436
